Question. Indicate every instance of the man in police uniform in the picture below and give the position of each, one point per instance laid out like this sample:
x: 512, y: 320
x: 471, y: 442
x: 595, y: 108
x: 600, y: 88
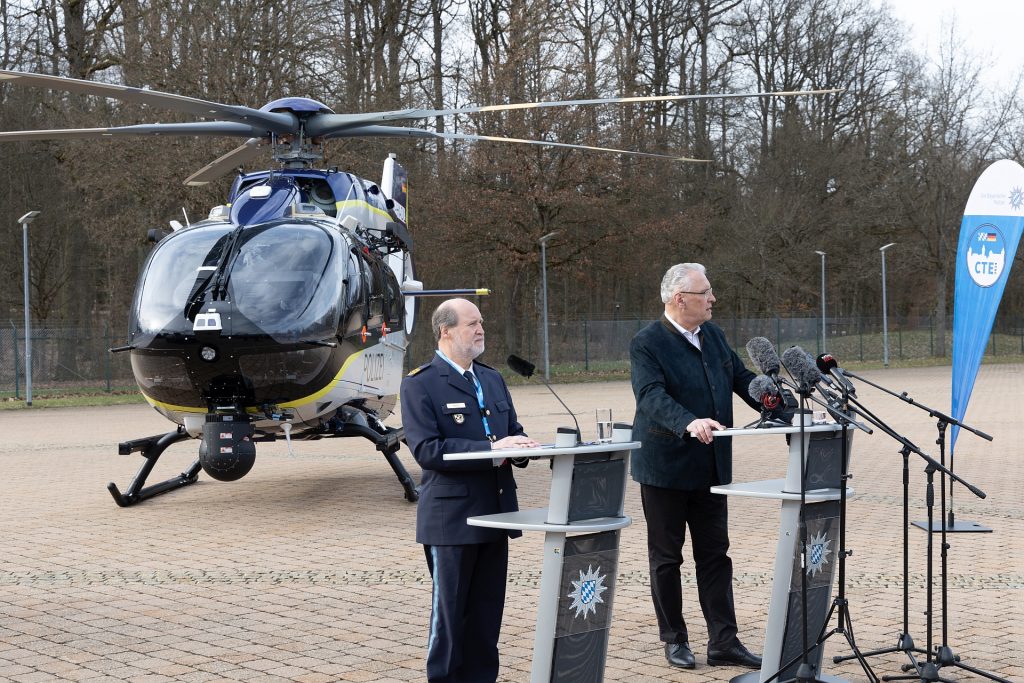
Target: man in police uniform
x: 451, y: 405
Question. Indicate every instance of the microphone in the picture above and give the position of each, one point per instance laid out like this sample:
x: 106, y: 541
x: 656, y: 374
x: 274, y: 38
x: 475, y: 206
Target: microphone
x: 826, y: 363
x: 764, y: 357
x: 776, y: 405
x: 799, y: 364
x: 763, y: 390
x: 826, y: 380
x: 525, y: 368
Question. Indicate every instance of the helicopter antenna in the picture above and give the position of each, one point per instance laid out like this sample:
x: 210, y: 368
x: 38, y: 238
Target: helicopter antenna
x: 185, y: 214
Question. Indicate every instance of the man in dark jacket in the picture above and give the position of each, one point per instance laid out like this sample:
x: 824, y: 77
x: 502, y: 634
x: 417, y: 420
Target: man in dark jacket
x: 455, y: 404
x: 684, y: 375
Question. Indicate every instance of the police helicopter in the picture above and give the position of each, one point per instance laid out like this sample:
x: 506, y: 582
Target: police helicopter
x: 287, y: 311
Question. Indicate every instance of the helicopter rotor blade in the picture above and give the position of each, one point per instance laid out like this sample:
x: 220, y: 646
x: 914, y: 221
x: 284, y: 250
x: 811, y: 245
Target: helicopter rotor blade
x: 227, y: 163
x: 396, y: 131
x: 228, y: 128
x: 272, y: 121
x: 492, y: 138
x: 326, y: 124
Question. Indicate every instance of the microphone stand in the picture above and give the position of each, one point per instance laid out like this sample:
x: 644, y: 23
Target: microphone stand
x: 944, y: 653
x: 844, y: 623
x: 927, y: 671
x: 942, y: 421
x: 805, y: 672
x: 525, y: 369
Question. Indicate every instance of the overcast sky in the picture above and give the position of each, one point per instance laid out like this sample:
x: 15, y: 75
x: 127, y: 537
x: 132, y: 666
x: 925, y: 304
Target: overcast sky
x: 992, y: 29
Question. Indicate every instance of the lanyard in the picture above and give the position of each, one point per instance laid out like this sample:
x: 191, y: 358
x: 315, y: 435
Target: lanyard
x: 484, y: 412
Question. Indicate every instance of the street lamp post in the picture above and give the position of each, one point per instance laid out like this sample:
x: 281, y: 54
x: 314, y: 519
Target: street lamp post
x: 823, y: 342
x: 544, y: 297
x: 885, y: 314
x: 25, y: 221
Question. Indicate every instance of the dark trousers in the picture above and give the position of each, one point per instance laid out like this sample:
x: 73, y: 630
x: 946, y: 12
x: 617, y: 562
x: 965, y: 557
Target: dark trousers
x: 669, y: 512
x: 465, y: 617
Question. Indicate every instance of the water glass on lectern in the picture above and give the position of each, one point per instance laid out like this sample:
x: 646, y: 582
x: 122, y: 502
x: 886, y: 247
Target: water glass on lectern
x: 604, y: 425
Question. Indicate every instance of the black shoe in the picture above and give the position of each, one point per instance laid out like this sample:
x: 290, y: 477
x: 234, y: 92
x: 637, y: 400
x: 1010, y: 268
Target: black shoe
x: 680, y: 654
x: 735, y: 655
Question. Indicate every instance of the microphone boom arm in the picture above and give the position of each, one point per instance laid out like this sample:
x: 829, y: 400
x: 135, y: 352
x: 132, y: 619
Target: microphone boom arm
x: 931, y: 411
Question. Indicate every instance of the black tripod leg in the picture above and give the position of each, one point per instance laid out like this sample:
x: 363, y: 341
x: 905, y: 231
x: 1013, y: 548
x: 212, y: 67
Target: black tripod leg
x: 152, y: 447
x: 861, y: 657
x: 979, y: 672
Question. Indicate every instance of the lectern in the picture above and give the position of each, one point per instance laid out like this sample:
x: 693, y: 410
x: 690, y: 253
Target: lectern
x: 581, y: 553
x: 823, y: 469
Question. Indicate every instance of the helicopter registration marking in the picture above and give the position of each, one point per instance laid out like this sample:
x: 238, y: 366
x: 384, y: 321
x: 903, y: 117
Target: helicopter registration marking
x: 373, y: 364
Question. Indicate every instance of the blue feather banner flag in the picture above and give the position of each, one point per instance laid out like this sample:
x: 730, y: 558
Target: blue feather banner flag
x: 989, y: 235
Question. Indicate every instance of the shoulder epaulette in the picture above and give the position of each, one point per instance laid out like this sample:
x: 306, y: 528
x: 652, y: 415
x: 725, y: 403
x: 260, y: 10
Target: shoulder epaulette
x: 418, y: 370
x: 485, y: 365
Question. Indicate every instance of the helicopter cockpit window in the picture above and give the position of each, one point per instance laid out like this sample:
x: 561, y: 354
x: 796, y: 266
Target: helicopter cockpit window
x: 395, y: 301
x: 177, y: 269
x: 317, y: 191
x: 276, y: 274
x: 282, y: 282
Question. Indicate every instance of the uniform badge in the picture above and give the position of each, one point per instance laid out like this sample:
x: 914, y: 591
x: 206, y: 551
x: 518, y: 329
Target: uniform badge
x: 459, y: 418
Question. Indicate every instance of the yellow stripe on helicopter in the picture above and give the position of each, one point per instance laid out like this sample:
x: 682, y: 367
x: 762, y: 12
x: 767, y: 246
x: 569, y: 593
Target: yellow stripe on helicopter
x: 353, y: 203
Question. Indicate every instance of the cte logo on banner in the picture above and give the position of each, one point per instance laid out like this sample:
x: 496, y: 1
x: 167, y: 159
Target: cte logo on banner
x: 986, y: 255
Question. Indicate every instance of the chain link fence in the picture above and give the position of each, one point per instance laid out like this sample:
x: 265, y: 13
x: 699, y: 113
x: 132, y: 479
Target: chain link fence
x: 69, y: 359
x: 76, y: 358
x: 598, y: 344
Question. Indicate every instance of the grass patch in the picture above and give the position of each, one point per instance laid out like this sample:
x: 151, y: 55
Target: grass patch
x: 72, y: 397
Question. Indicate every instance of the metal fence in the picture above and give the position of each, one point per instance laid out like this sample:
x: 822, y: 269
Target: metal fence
x: 76, y: 358
x: 63, y: 359
x: 594, y: 343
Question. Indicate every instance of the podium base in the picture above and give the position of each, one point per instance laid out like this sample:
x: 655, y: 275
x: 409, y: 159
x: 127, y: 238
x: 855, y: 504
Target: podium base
x: 755, y: 676
x: 957, y: 527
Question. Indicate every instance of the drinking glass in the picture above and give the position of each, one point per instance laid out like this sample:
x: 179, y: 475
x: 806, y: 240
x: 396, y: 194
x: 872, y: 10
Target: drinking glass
x: 604, y: 425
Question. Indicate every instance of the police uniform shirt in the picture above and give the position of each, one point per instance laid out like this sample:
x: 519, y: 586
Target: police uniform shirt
x: 441, y: 414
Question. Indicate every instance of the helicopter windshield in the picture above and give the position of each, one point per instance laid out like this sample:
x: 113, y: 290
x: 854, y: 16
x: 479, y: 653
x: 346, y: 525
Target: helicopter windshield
x: 282, y: 281
x: 179, y: 264
x: 276, y: 282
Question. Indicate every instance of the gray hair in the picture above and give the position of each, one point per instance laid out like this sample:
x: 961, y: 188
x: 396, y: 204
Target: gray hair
x: 445, y: 315
x: 677, y: 278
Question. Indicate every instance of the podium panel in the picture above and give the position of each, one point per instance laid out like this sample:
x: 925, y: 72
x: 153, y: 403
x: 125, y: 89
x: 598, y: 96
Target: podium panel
x: 823, y: 468
x: 589, y: 566
x: 598, y: 488
x: 822, y: 546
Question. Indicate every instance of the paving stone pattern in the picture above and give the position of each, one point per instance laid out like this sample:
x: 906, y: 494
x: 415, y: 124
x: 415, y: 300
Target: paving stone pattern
x: 307, y: 570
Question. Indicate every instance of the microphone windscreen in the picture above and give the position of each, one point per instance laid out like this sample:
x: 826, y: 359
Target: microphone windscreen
x: 797, y: 361
x: 521, y: 366
x: 761, y: 386
x: 763, y: 355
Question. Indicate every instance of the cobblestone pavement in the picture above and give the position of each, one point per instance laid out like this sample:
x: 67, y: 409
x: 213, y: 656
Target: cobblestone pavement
x: 306, y: 570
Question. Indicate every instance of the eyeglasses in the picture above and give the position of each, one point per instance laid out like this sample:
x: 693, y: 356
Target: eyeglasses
x: 706, y: 293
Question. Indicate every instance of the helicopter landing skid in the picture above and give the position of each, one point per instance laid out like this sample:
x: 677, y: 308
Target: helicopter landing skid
x: 152, y: 447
